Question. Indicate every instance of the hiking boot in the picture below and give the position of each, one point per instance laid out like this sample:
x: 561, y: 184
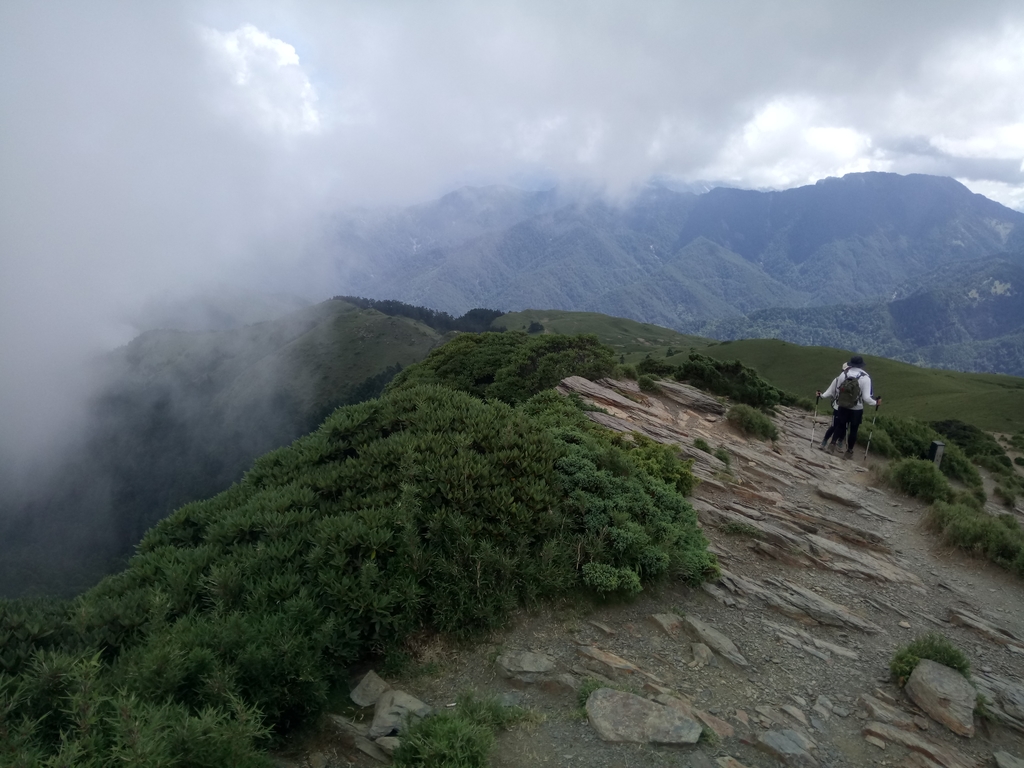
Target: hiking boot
x: 831, y: 448
x: 848, y: 454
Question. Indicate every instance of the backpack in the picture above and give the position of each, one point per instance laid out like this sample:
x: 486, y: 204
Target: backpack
x: 848, y: 394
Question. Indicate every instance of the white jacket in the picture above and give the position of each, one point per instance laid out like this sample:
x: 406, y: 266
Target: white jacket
x: 865, y: 387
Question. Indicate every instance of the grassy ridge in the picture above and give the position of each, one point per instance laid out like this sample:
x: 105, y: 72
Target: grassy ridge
x: 990, y: 401
x: 428, y: 508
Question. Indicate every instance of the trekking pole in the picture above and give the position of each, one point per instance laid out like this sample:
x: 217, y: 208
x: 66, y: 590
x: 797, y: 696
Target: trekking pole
x: 814, y: 420
x: 873, y: 419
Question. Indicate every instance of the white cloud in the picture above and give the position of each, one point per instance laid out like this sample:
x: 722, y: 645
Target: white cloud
x: 269, y: 83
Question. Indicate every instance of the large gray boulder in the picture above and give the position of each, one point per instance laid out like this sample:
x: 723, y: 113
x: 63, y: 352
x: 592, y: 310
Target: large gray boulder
x: 944, y: 694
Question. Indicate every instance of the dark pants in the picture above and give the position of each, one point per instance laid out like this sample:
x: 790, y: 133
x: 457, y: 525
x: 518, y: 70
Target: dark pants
x: 847, y: 418
x: 832, y: 428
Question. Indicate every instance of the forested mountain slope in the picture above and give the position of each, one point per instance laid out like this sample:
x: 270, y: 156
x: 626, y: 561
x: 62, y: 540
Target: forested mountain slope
x: 183, y: 415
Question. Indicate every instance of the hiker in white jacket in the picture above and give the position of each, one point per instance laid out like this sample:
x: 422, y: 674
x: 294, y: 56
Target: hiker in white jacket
x: 850, y: 397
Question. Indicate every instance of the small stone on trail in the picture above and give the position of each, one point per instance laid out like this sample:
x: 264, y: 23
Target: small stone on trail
x: 609, y: 663
x: 389, y: 744
x: 318, y: 760
x: 370, y: 748
x: 875, y: 742
x: 800, y: 700
x: 702, y: 654
x: 393, y: 712
x: 369, y: 690
x: 905, y: 624
x: 715, y: 640
x: 603, y: 627
x: 787, y: 746
x: 1006, y: 760
x: 730, y: 762
x: 524, y: 665
x: 669, y: 622
x: 795, y: 713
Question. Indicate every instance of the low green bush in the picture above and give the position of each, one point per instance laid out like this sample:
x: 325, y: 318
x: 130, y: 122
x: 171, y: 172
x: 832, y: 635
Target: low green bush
x: 931, y: 646
x: 1019, y: 461
x: 648, y: 384
x: 626, y: 371
x: 427, y: 508
x: 895, y: 437
x: 752, y: 422
x: 511, y: 366
x: 730, y: 378
x: 723, y: 455
x: 702, y: 445
x: 920, y: 478
x: 969, y: 527
x: 457, y: 739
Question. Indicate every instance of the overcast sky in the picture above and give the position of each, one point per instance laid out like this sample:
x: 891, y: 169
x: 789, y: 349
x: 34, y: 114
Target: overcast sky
x: 152, y: 149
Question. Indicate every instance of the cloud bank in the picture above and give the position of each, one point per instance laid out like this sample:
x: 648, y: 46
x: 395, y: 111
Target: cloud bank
x: 163, y: 149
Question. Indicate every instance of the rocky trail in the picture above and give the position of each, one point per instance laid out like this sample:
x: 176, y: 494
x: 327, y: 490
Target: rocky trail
x: 783, y: 661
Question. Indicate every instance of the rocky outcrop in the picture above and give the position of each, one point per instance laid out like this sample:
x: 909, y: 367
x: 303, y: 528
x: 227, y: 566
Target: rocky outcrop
x: 944, y: 694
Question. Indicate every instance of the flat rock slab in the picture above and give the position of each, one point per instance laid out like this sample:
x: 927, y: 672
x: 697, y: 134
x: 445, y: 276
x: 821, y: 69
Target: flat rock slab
x: 846, y: 495
x: 786, y: 746
x: 369, y: 690
x: 610, y: 664
x: 1006, y: 760
x: 526, y: 666
x: 948, y: 757
x: 881, y: 712
x: 715, y: 640
x: 623, y: 717
x: 393, y: 713
x: 944, y: 694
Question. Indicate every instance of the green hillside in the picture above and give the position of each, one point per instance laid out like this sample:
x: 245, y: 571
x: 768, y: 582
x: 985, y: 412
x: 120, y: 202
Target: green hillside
x: 427, y: 509
x: 993, y: 402
x: 183, y: 416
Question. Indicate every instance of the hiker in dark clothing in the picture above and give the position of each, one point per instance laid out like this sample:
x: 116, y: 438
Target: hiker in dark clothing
x: 835, y: 415
x: 851, y: 389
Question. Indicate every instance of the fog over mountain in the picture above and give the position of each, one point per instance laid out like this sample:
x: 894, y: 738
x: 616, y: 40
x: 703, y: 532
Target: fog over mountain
x: 152, y: 153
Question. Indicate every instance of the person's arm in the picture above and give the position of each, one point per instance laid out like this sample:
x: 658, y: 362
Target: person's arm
x: 865, y: 390
x: 831, y: 391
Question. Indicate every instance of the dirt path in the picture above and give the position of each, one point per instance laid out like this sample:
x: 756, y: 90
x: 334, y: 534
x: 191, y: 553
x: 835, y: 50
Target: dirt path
x: 779, y: 540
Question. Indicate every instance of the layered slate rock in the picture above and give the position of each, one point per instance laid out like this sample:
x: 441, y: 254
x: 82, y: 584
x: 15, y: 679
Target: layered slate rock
x: 949, y: 757
x: 525, y: 666
x: 395, y: 710
x: 788, y: 746
x: 715, y: 640
x: 623, y: 717
x: 944, y: 694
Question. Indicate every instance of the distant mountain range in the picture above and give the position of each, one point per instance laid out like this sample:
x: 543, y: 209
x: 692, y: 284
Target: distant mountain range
x: 803, y: 264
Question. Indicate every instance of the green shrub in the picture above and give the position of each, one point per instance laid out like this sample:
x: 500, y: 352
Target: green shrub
x: 702, y: 445
x: 895, y: 437
x: 457, y: 739
x: 968, y: 527
x: 731, y: 379
x: 752, y: 422
x: 920, y: 478
x: 740, y: 529
x: 627, y: 371
x: 931, y: 646
x: 426, y: 508
x: 723, y: 455
x: 648, y: 384
x: 511, y: 366
x: 1019, y: 461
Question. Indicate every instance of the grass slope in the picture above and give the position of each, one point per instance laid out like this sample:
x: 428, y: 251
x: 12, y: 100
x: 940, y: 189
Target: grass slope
x: 992, y: 402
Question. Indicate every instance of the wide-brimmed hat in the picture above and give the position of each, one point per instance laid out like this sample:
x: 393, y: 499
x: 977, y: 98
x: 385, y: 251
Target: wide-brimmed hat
x: 856, y: 361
